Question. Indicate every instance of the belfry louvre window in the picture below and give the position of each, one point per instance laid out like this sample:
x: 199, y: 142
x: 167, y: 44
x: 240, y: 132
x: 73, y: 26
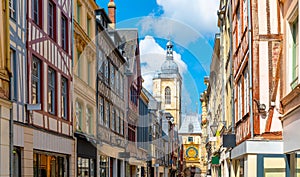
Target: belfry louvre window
x: 167, y: 95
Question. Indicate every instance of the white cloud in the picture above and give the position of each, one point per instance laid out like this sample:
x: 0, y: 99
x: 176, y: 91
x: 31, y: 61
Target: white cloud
x: 152, y: 57
x: 183, y: 20
x: 201, y: 14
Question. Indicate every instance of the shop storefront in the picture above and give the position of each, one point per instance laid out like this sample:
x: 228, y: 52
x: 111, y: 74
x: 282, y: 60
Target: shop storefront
x: 259, y: 158
x: 50, y: 164
x: 291, y: 143
x: 103, y: 166
x: 86, y: 157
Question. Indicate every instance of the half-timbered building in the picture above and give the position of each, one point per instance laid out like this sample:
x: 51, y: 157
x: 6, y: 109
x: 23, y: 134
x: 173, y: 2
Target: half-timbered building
x: 46, y: 134
x: 256, y: 48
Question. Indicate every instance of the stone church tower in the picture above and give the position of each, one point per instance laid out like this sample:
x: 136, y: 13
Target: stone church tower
x: 167, y: 86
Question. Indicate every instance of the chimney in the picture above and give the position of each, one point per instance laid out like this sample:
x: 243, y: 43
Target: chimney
x: 112, y: 13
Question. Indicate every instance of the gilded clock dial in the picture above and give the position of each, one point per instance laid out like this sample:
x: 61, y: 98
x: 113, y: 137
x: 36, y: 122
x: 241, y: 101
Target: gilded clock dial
x: 191, y: 152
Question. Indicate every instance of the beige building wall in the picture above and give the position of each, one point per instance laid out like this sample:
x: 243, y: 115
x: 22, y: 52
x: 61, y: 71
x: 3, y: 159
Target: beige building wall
x: 4, y: 138
x: 85, y: 65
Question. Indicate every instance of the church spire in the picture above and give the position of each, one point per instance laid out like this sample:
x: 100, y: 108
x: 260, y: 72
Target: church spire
x: 169, y: 50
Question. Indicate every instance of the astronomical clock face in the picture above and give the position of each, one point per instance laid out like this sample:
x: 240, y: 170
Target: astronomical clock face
x: 191, y: 152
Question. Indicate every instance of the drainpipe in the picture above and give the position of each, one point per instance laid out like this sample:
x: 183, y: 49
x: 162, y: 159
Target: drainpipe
x: 231, y: 70
x: 250, y: 67
x: 72, y: 88
x: 72, y: 49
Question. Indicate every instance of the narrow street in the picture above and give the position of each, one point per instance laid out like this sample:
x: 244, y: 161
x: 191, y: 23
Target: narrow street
x: 156, y: 88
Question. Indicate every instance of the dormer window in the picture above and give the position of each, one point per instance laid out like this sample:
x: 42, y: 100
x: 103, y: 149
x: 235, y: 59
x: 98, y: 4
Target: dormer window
x: 191, y: 128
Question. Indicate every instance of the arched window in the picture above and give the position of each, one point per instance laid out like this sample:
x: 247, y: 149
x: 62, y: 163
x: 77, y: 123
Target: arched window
x: 167, y: 95
x: 88, y: 120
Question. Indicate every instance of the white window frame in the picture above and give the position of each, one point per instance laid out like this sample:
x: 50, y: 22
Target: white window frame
x: 89, y: 128
x: 64, y: 98
x: 78, y: 116
x: 289, y: 45
x: 239, y: 101
x: 51, y: 89
x: 36, y: 79
x: 246, y: 90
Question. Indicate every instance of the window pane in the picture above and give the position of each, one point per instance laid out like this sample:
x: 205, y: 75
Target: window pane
x: 101, y: 108
x: 106, y: 71
x: 15, y: 74
x: 78, y: 12
x: 64, y: 91
x: 89, y: 73
x: 295, y: 53
x: 112, y: 77
x: 36, y: 11
x: 64, y: 32
x: 78, y: 116
x: 117, y: 121
x: 88, y: 121
x: 113, y: 119
x: 107, y: 114
x: 35, y: 81
x: 12, y: 9
x: 51, y: 90
x: 50, y: 19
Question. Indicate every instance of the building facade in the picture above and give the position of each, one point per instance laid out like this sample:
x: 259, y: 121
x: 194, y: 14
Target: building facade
x: 289, y: 83
x: 190, y: 132
x: 249, y: 57
x: 214, y: 108
x: 130, y: 46
x: 256, y: 34
x: 84, y: 84
x: 49, y: 120
x: 111, y: 99
x: 143, y: 133
x: 5, y: 104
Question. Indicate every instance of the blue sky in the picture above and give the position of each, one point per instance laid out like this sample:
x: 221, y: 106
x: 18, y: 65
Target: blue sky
x: 191, y: 25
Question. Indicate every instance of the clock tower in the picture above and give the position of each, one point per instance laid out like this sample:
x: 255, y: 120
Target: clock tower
x: 167, y: 86
x: 190, y: 131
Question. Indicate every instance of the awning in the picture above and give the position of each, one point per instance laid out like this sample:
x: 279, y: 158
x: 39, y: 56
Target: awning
x: 134, y: 161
